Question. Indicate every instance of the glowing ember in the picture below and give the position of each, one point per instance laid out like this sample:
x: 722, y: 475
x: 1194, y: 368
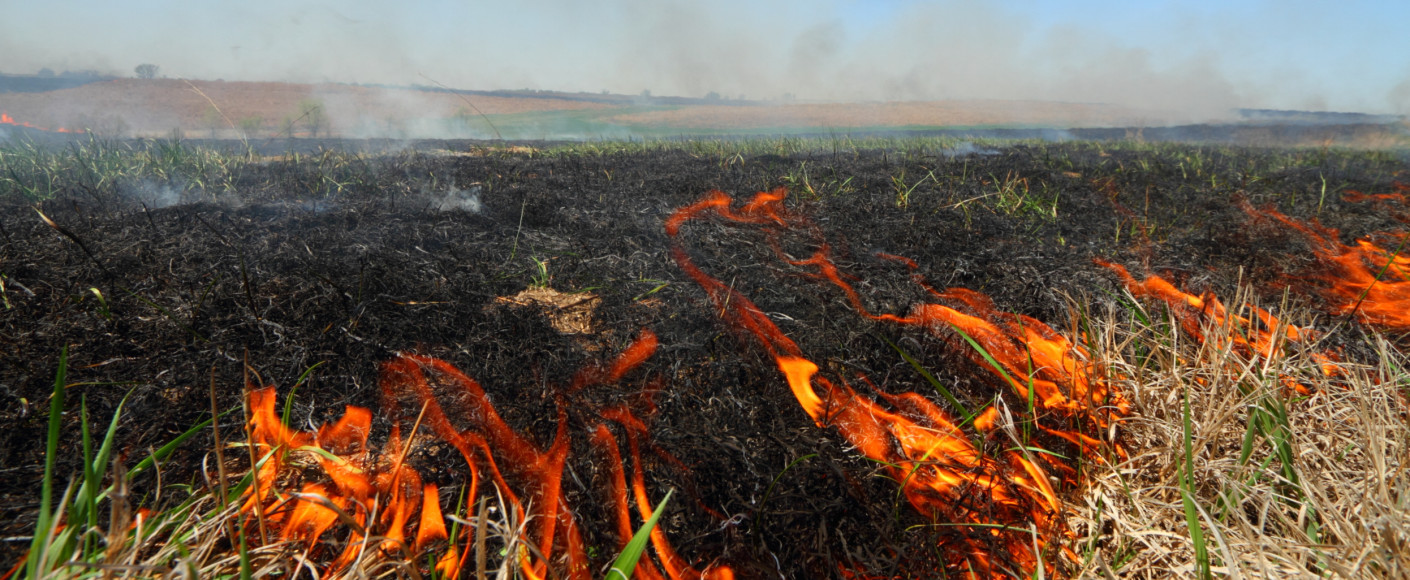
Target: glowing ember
x: 1002, y: 503
x: 1262, y: 336
x: 1366, y: 280
x: 382, y: 497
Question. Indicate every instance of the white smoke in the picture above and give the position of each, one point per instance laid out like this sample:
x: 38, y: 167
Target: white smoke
x: 1203, y: 60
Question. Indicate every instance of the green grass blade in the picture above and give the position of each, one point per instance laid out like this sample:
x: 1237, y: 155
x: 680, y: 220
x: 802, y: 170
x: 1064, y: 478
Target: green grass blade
x: 625, y: 565
x: 930, y: 378
x: 1187, y: 495
x: 171, y: 446
x: 289, y: 400
x: 768, y: 492
x: 46, y: 491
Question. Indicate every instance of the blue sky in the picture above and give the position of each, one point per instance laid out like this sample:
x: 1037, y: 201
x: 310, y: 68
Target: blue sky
x: 1197, y: 55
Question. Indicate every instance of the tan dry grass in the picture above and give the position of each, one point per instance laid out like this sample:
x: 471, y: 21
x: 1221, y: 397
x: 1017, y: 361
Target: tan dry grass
x: 1347, y: 515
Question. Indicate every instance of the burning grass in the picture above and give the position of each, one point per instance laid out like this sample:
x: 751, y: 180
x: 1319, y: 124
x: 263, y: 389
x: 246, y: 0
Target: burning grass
x: 1230, y: 475
x: 1227, y: 474
x: 865, y: 374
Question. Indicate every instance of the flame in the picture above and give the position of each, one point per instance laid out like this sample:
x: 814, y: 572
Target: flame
x: 6, y: 119
x: 1262, y: 336
x: 1002, y: 502
x: 675, y: 566
x: 380, y: 496
x: 1030, y: 357
x: 1401, y: 189
x: 1366, y: 280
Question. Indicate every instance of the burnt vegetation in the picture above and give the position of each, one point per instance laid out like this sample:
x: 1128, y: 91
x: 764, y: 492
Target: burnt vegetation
x: 156, y: 262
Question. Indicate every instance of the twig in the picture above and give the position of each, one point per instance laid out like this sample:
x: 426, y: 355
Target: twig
x: 254, y: 458
x: 198, y: 91
x: 70, y: 235
x: 497, y: 136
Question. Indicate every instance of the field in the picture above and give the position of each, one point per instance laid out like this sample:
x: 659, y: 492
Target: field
x: 919, y: 357
x: 262, y: 113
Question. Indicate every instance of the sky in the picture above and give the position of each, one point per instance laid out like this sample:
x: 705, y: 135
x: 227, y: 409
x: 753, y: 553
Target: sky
x: 1198, y: 56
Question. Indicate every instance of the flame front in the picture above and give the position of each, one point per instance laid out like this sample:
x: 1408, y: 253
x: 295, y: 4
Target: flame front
x: 1260, y: 337
x: 1001, y: 504
x: 1366, y: 280
x: 6, y: 119
x: 380, y: 496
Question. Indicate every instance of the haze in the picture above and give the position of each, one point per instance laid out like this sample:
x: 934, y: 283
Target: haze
x: 1198, y: 57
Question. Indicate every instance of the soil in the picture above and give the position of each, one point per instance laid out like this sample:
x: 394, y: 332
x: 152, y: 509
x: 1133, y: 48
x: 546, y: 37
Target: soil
x: 434, y: 256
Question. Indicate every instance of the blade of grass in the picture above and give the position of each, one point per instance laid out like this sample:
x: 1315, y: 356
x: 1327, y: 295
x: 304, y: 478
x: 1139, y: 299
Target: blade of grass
x: 625, y: 565
x: 1187, y: 495
x: 42, y: 527
x: 930, y: 378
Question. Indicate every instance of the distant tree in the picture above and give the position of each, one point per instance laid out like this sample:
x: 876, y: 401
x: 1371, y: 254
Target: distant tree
x: 286, y: 127
x: 712, y: 96
x: 646, y: 93
x: 250, y: 125
x: 212, y: 120
x: 46, y: 72
x: 314, y: 117
x: 146, y: 71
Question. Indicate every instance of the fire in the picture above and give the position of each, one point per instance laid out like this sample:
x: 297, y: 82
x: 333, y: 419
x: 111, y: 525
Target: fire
x: 1262, y: 336
x: 1003, y: 502
x: 6, y: 119
x: 378, y: 495
x: 1365, y: 280
x: 1030, y: 357
x: 1399, y: 196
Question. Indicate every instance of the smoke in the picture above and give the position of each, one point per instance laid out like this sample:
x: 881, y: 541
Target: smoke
x: 464, y: 200
x: 1399, y: 97
x: 153, y: 194
x: 965, y: 148
x: 1188, y: 65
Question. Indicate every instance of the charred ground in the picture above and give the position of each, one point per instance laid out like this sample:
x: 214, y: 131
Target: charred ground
x: 341, y: 260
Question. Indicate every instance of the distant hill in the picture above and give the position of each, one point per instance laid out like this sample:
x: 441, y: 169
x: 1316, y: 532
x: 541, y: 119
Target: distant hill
x: 48, y: 82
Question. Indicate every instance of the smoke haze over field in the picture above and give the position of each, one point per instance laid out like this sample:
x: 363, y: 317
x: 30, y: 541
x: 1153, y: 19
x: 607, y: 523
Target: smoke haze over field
x: 1199, y: 58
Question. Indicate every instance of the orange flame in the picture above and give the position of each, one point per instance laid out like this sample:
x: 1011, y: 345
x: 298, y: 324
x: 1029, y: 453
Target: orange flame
x: 675, y: 566
x: 6, y: 119
x: 1028, y: 353
x: 1263, y: 336
x: 1000, y: 501
x: 360, y: 487
x: 1398, y: 197
x: 1366, y: 280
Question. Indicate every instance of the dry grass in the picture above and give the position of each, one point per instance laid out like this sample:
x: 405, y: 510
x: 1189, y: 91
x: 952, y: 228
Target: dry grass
x: 1282, y: 486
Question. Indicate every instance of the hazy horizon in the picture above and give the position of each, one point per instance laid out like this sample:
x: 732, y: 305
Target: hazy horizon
x: 1199, y: 58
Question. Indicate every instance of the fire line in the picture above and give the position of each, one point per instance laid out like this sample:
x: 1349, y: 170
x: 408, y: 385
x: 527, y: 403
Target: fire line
x: 1000, y: 504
